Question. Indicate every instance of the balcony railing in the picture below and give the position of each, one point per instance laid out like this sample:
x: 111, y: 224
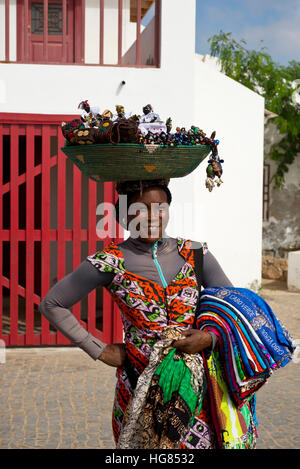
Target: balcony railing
x: 107, y: 32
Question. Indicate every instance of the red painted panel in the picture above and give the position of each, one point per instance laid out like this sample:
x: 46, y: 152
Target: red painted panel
x: 1, y: 229
x: 25, y: 28
x: 82, y: 30
x: 46, y: 46
x: 117, y: 321
x: 76, y: 227
x: 61, y: 219
x: 107, y: 300
x: 45, y: 238
x: 47, y: 127
x: 14, y: 271
x: 91, y: 249
x: 157, y: 32
x: 29, y: 305
x: 64, y: 31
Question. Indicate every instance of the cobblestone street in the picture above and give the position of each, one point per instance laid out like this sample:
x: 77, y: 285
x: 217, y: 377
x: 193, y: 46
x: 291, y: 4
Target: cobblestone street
x: 61, y: 398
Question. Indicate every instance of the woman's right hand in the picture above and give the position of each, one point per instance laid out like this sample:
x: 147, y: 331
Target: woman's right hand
x: 113, y: 355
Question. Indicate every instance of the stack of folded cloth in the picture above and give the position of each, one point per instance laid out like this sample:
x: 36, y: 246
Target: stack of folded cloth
x: 252, y: 341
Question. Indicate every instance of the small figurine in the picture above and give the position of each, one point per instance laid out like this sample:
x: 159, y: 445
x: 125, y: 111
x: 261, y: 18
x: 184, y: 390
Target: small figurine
x: 163, y: 138
x: 135, y: 118
x: 120, y: 111
x: 121, y: 114
x: 214, y: 169
x: 69, y: 128
x: 169, y: 124
x: 107, y: 115
x: 85, y: 106
x: 149, y: 115
x: 90, y: 116
x: 147, y: 109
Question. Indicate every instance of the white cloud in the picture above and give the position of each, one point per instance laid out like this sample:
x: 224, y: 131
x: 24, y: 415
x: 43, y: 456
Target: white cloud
x: 275, y: 22
x: 281, y: 37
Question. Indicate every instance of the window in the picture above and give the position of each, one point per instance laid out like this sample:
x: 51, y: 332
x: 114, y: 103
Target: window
x: 54, y: 18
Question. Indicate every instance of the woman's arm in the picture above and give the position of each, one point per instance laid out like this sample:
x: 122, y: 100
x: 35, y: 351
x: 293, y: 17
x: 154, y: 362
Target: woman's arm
x: 213, y: 274
x: 64, y: 294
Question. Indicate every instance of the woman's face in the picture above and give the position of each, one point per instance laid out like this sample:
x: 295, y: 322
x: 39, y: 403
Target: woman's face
x: 148, y: 215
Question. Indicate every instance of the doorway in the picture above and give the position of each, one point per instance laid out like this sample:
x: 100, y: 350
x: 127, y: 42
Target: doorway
x: 58, y: 43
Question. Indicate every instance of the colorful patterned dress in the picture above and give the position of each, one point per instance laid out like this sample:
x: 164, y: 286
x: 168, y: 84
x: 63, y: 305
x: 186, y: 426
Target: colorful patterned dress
x: 146, y: 309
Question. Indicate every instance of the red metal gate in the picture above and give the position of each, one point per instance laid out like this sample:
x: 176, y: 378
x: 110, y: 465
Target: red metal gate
x: 47, y: 227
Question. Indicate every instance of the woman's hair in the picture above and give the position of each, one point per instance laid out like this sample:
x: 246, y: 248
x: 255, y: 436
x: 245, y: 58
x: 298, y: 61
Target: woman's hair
x: 131, y: 188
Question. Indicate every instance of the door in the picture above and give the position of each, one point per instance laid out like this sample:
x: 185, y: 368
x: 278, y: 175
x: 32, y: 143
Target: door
x: 50, y: 50
x: 59, y: 42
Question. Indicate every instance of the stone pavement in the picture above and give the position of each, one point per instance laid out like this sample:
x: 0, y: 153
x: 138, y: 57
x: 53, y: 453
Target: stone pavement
x: 278, y: 401
x: 61, y: 398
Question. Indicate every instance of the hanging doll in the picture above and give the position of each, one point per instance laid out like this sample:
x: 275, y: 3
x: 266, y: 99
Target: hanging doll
x: 121, y: 114
x: 214, y: 168
x: 151, y: 122
x: 90, y: 116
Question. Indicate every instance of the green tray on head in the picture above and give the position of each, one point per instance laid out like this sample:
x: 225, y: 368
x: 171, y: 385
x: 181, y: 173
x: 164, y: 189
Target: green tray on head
x: 129, y: 161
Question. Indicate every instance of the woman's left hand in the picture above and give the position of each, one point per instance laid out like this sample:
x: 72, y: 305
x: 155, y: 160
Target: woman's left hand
x: 195, y: 341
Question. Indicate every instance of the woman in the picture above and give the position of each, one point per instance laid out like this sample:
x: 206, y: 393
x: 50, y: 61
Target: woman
x: 151, y: 277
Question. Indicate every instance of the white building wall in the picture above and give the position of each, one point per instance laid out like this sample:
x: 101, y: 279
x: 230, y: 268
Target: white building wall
x: 229, y: 218
x: 2, y: 30
x: 12, y: 29
x: 191, y: 92
x: 92, y: 31
x: 110, y: 34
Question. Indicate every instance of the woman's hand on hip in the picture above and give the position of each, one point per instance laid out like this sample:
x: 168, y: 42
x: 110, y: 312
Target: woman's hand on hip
x: 194, y: 341
x: 113, y: 355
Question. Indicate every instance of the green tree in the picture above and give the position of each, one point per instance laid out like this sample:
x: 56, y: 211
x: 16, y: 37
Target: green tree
x: 276, y: 83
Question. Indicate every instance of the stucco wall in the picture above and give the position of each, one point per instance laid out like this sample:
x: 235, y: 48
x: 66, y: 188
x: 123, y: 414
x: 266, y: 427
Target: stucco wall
x: 12, y: 28
x: 230, y: 217
x: 282, y: 230
x: 191, y: 92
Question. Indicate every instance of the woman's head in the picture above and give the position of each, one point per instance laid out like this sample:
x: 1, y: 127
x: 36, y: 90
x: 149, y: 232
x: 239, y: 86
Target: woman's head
x: 143, y: 208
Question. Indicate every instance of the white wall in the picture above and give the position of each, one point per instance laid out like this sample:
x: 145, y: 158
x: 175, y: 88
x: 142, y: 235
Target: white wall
x: 12, y: 29
x: 110, y: 34
x: 2, y: 29
x: 191, y: 92
x: 229, y: 218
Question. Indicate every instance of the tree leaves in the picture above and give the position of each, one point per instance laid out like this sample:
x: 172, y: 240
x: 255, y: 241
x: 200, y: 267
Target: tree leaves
x: 276, y: 83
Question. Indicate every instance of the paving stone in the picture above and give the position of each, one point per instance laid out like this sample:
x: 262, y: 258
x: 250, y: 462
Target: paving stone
x: 54, y: 398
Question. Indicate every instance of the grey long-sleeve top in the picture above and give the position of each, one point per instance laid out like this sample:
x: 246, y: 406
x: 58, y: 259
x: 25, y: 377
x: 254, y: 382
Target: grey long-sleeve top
x: 138, y: 260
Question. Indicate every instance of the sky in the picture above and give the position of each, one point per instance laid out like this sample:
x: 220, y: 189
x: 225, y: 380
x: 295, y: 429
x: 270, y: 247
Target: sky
x: 275, y: 22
